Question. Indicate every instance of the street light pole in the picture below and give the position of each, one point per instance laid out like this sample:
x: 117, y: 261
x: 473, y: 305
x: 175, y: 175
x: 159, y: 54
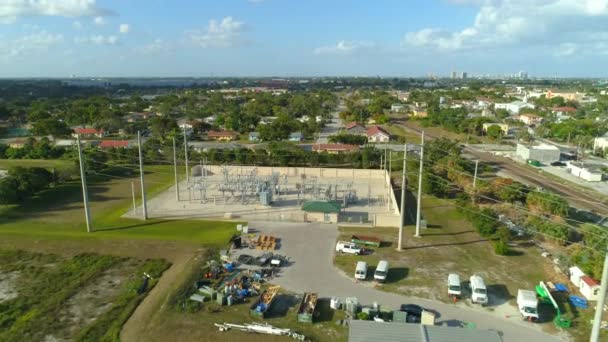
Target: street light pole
x: 403, y: 185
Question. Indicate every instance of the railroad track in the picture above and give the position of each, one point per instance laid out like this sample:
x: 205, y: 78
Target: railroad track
x: 576, y: 197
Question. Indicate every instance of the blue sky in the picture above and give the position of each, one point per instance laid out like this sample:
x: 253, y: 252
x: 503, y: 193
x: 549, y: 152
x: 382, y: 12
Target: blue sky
x: 58, y: 38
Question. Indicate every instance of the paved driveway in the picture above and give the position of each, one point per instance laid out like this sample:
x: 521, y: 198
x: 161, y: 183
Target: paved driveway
x: 310, y: 247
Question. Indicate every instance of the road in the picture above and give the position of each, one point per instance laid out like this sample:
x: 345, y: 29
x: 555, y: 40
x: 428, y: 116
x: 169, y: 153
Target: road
x: 311, y: 248
x: 330, y: 128
x: 576, y: 197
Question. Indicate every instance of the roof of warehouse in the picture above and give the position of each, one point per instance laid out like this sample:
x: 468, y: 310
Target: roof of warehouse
x: 322, y: 206
x: 363, y: 331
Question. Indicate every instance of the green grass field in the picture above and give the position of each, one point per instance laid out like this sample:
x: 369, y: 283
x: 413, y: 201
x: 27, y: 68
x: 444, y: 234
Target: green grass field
x: 46, y: 163
x: 58, y: 213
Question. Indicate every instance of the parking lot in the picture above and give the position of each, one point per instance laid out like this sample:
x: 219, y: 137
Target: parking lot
x: 310, y: 248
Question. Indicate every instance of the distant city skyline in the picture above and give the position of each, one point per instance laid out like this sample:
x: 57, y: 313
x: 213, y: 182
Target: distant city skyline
x: 190, y: 38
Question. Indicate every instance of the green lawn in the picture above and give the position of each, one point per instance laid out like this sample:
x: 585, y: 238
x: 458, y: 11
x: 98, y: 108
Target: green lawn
x: 46, y: 163
x: 58, y: 213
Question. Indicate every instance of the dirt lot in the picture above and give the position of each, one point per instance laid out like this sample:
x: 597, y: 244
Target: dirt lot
x: 57, y: 298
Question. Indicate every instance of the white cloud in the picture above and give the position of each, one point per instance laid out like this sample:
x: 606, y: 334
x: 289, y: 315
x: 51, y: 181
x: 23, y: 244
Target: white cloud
x: 11, y: 10
x: 218, y: 34
x: 566, y: 49
x: 77, y: 25
x: 124, y: 28
x: 99, y: 21
x: 39, y: 40
x: 343, y: 47
x: 521, y: 23
x: 157, y: 46
x: 97, y: 40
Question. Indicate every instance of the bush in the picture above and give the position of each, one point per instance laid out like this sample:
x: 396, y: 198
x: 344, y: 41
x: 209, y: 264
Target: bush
x: 500, y: 247
x: 363, y: 316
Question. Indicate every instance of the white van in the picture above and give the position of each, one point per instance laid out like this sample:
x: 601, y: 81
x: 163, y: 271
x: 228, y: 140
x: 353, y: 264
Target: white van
x: 479, y: 292
x: 454, y: 289
x: 361, y: 270
x: 381, y: 271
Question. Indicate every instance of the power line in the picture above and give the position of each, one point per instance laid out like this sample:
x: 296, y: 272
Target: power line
x: 456, y: 187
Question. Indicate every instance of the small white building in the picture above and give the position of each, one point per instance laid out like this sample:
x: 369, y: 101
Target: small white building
x: 600, y: 143
x: 588, y: 172
x: 397, y: 107
x: 575, y: 275
x: 513, y: 107
x: 543, y: 153
x: 589, y: 287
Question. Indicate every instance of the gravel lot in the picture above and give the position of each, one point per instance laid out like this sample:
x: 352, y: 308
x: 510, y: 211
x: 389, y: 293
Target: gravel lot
x: 311, y: 249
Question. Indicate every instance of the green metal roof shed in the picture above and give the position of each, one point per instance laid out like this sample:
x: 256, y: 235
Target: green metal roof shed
x: 322, y: 207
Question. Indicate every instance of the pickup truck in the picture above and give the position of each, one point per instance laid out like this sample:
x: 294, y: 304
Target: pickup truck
x: 347, y: 247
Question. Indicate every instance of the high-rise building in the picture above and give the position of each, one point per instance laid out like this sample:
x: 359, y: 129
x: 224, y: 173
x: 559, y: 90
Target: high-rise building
x: 464, y: 75
x: 522, y: 75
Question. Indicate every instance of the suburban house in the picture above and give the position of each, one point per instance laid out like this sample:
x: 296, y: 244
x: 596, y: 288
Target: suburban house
x: 600, y: 142
x: 588, y: 172
x: 530, y: 119
x: 504, y: 128
x: 487, y: 113
x: 563, y: 110
x: 296, y: 137
x: 267, y: 120
x: 513, y: 107
x: 254, y: 136
x: 88, y: 133
x: 419, y: 112
x: 397, y: 107
x: 566, y: 95
x: 321, y: 211
x: 114, y: 144
x: 17, y: 143
x: 376, y: 134
x: 222, y: 135
x: 354, y: 128
x: 334, y: 148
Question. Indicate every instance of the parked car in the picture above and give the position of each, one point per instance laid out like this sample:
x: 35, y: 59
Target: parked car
x: 361, y: 270
x: 414, y: 312
x: 347, y: 247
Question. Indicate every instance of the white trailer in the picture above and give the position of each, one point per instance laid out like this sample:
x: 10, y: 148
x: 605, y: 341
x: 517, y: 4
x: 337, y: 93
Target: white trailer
x: 527, y: 304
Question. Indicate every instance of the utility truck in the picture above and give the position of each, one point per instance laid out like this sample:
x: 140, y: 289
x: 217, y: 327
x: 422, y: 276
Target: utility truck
x: 527, y: 304
x: 347, y: 247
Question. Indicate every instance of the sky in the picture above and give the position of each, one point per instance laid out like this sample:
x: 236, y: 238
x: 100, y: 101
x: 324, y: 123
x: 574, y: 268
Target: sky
x: 200, y: 38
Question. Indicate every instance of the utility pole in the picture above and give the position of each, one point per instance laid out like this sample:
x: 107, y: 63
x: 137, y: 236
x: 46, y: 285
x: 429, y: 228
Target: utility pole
x: 186, y: 153
x: 420, y: 185
x: 175, y: 171
x: 133, y: 196
x: 390, y: 167
x: 85, y: 192
x: 475, y: 181
x: 601, y: 299
x: 141, y: 178
x: 381, y: 162
x: 403, y: 185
